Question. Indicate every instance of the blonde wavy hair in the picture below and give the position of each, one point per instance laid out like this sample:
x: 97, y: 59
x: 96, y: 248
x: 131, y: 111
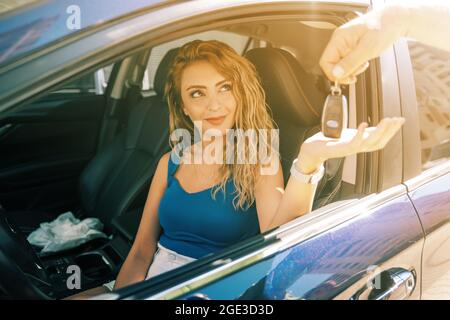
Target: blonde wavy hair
x: 251, y: 110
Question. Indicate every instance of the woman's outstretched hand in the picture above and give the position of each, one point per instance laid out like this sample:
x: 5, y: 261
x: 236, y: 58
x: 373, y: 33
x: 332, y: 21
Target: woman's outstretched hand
x: 318, y: 148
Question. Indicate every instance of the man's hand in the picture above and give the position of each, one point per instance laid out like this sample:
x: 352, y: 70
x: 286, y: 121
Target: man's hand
x: 362, y: 39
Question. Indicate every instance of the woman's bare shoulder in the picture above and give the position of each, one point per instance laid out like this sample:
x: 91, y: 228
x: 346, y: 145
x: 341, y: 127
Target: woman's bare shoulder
x: 163, y: 164
x: 165, y: 158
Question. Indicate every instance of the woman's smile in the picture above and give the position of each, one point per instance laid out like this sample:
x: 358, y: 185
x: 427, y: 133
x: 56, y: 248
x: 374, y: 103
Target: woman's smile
x: 216, y: 121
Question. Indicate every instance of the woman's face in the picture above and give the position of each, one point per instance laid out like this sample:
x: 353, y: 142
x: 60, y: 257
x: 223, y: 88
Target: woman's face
x: 208, y: 96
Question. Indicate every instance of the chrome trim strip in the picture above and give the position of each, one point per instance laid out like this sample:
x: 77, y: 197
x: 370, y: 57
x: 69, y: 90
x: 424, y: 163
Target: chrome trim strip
x: 428, y: 175
x: 352, y: 210
x: 296, y: 231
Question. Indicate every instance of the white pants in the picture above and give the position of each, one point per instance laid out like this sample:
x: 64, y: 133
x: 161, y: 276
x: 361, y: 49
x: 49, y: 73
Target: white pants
x: 163, y: 260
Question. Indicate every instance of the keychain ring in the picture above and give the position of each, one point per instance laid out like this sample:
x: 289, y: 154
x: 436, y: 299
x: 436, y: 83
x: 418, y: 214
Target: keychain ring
x: 336, y: 89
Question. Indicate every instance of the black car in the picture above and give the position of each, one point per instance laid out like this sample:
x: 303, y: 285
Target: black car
x: 83, y: 124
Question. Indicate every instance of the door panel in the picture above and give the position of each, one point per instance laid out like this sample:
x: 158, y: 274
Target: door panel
x: 45, y: 146
x: 432, y: 201
x: 335, y: 263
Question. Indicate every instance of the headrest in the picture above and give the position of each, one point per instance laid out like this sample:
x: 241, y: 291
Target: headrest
x: 292, y: 94
x: 163, y: 71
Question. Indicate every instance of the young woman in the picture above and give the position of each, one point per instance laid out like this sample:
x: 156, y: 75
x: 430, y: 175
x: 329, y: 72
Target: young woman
x: 199, y: 207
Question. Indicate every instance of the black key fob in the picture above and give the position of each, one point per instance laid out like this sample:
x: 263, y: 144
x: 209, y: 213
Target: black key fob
x: 334, y: 114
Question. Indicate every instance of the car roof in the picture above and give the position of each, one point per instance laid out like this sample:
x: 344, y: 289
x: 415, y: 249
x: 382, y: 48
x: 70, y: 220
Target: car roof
x: 25, y: 28
x: 37, y: 23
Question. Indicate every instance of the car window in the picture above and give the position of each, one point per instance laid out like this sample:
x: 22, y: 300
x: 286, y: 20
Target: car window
x: 237, y: 42
x: 92, y: 83
x: 431, y: 69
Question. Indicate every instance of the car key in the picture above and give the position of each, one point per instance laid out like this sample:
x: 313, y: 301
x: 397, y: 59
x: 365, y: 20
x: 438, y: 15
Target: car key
x: 335, y: 113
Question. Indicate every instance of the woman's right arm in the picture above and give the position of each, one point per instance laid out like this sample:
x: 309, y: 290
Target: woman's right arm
x: 141, y: 254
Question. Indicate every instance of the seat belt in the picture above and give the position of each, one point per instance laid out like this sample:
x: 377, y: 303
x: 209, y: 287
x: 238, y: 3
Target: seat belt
x: 117, y: 110
x: 110, y: 123
x: 116, y: 115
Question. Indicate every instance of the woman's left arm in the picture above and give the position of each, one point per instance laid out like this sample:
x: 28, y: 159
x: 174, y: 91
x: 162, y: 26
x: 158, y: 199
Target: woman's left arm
x: 276, y: 207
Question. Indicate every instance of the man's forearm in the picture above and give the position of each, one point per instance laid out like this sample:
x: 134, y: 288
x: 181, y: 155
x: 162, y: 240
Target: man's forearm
x: 429, y: 23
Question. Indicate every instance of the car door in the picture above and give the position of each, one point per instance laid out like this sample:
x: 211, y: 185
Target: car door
x: 353, y: 249
x: 363, y: 249
x: 429, y: 187
x: 430, y: 193
x: 46, y: 144
x: 368, y: 245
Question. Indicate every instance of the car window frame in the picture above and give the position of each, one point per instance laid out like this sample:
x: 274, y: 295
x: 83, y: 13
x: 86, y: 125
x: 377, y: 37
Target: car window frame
x: 329, y: 210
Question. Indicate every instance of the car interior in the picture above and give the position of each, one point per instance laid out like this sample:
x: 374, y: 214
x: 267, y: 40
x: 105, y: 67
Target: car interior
x: 95, y: 155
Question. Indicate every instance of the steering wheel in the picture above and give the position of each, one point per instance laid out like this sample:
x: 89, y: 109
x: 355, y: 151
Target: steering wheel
x: 19, y: 264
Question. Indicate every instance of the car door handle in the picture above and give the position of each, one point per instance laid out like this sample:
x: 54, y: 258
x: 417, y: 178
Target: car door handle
x: 197, y: 296
x: 392, y: 284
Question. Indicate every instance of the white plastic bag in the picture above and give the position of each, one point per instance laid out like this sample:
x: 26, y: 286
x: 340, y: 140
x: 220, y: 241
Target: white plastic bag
x: 65, y: 232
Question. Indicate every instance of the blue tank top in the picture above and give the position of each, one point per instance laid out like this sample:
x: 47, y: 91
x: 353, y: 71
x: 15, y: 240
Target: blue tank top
x: 195, y: 224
